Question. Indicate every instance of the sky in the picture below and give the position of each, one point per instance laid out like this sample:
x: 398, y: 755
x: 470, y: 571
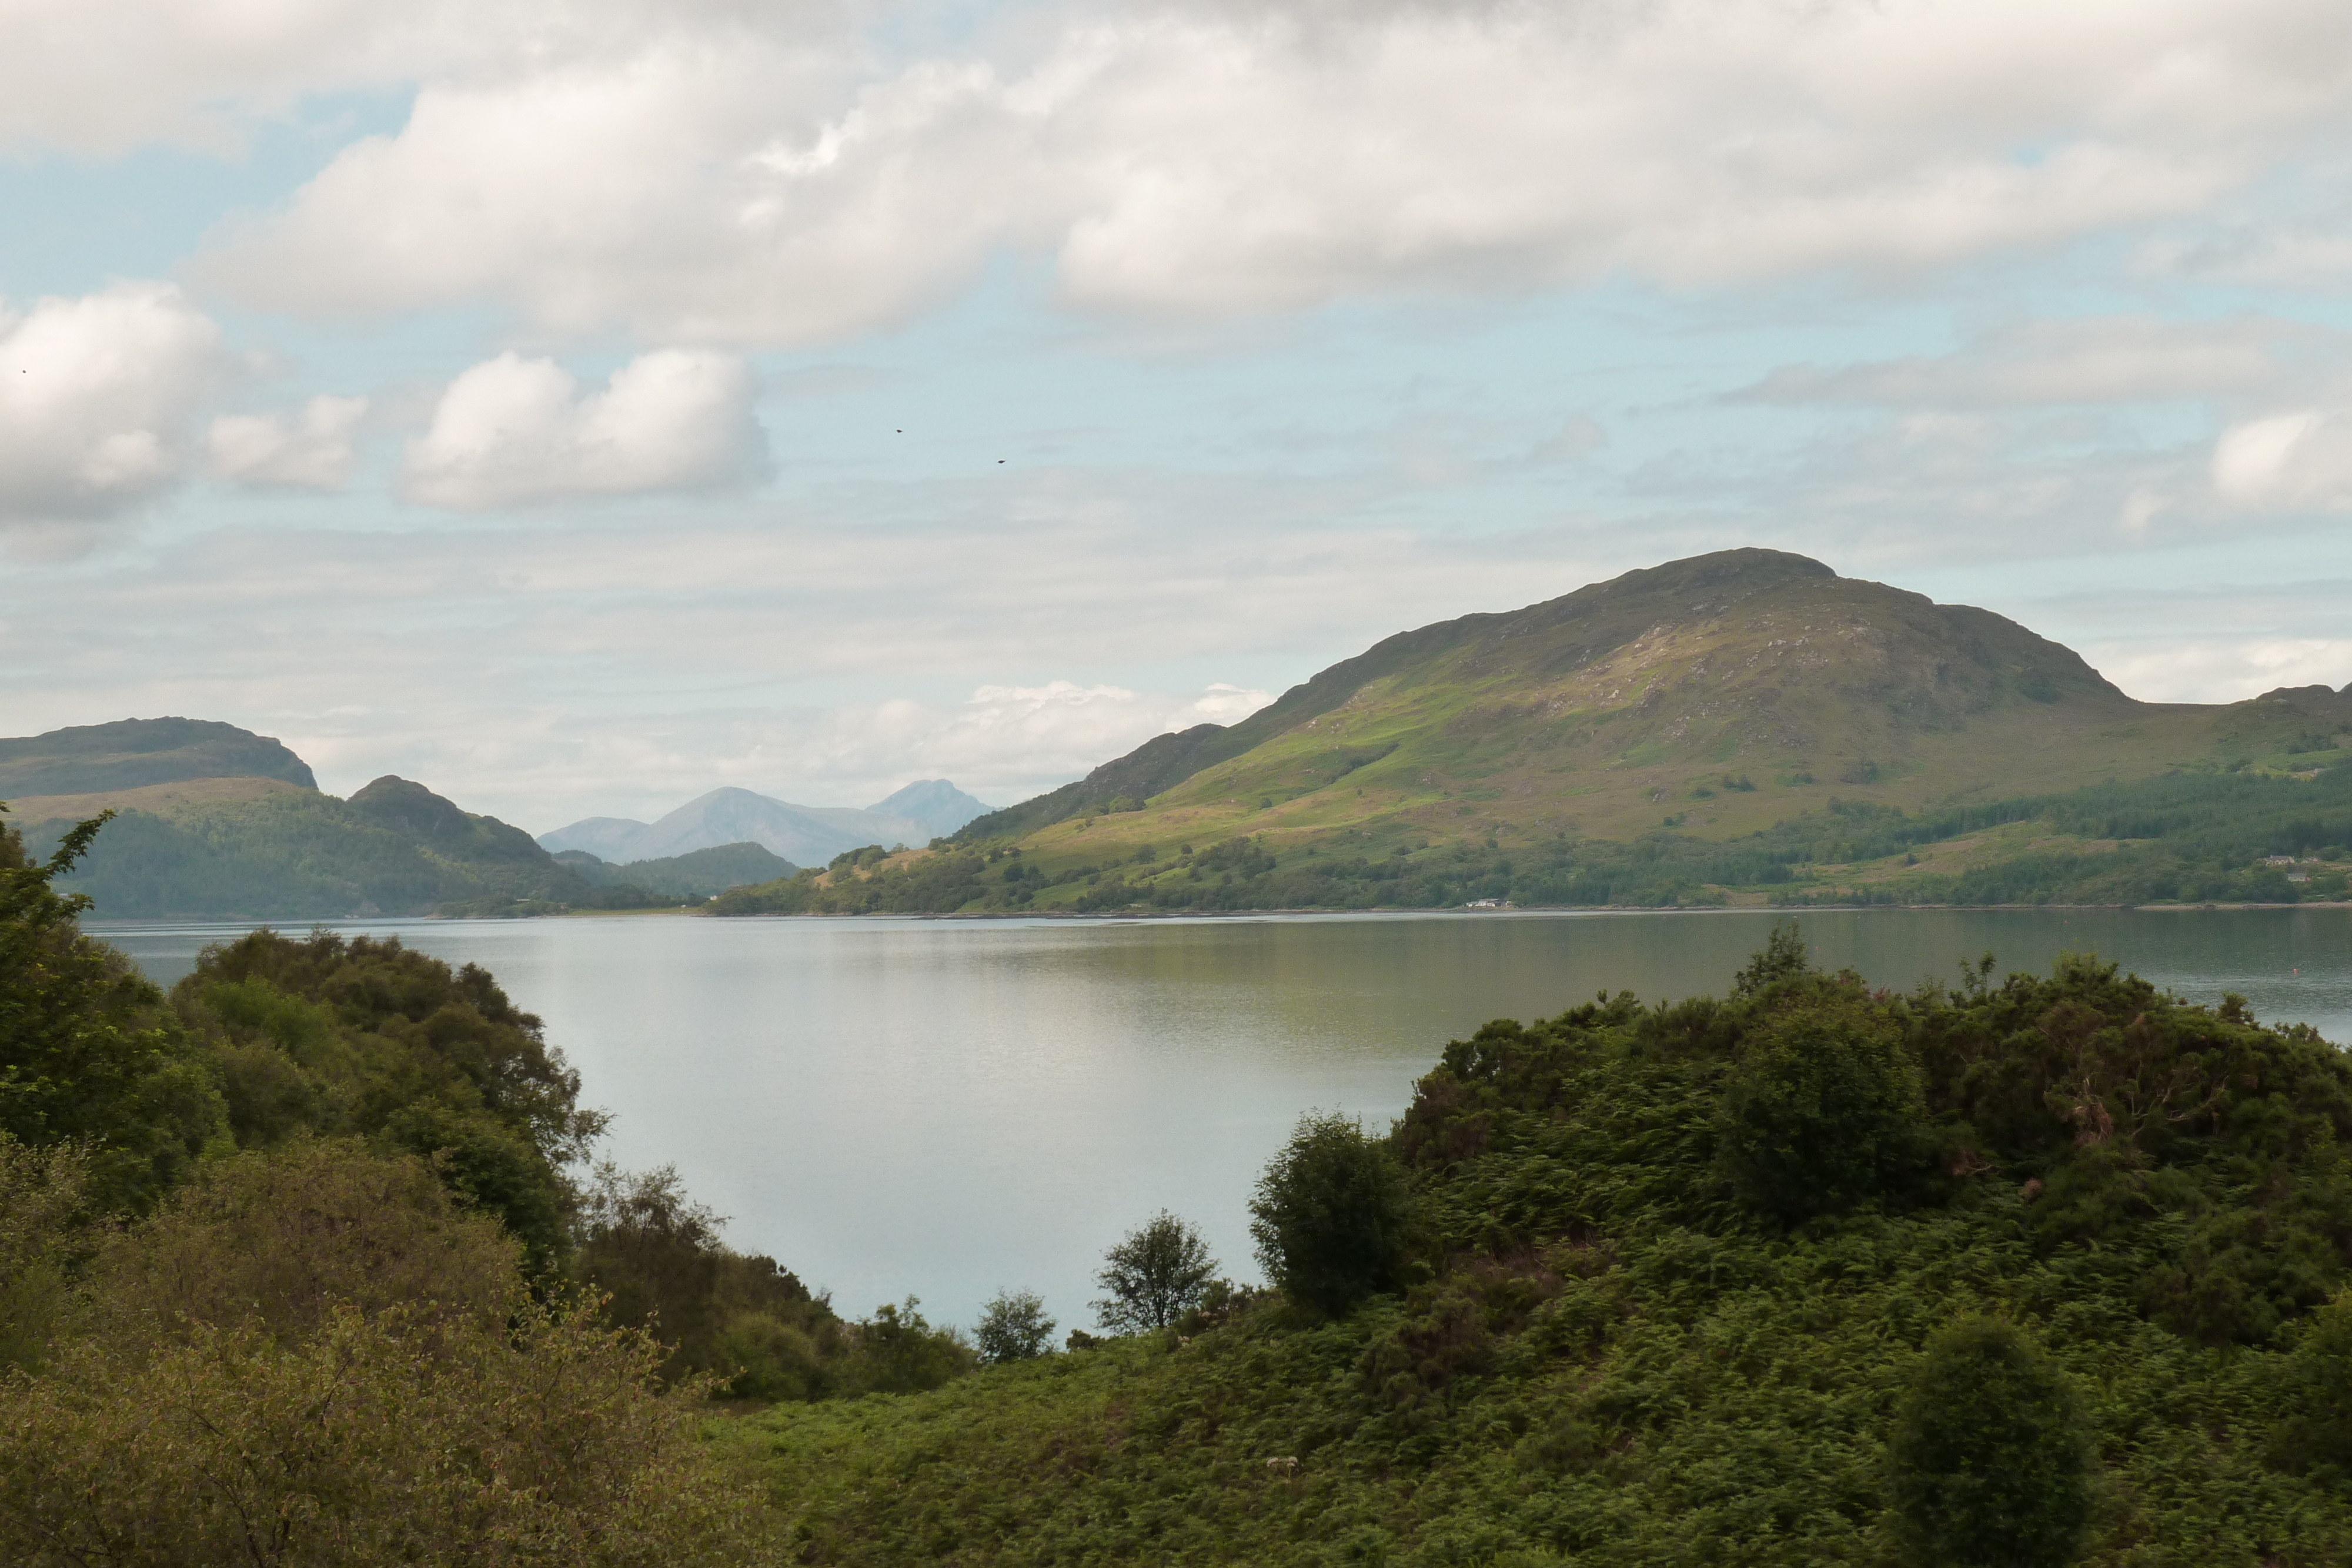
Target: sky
x: 576, y: 407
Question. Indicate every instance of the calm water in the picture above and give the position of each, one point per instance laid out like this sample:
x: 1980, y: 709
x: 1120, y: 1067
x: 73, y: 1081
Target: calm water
x: 896, y: 1106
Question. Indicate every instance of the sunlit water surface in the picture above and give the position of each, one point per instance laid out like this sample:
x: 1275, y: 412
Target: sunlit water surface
x: 945, y: 1107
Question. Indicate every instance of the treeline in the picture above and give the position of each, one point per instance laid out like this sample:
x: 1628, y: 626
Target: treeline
x: 2198, y: 838
x: 2027, y: 1272
x: 309, y: 1246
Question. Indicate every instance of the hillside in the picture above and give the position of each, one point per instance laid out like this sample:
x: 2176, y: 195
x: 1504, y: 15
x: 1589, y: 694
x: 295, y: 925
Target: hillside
x: 138, y: 753
x: 1718, y: 726
x: 698, y: 873
x: 393, y: 848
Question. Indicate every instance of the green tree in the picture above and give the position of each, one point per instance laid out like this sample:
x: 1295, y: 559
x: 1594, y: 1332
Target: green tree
x: 1990, y: 1456
x: 1014, y: 1327
x: 1782, y: 958
x: 89, y: 1054
x: 1823, y: 1109
x: 365, y: 1038
x: 1155, y: 1276
x: 1330, y: 1215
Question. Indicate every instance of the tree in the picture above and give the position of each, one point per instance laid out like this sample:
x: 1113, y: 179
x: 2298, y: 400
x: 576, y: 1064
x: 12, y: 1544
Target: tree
x: 1824, y: 1110
x: 89, y: 1054
x: 1154, y: 1276
x: 1783, y: 958
x: 1330, y: 1215
x: 1014, y: 1327
x: 1991, y: 1462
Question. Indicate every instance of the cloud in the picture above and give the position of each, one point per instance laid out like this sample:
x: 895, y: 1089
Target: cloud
x: 2297, y: 461
x: 96, y: 398
x: 312, y: 452
x: 98, y: 77
x: 512, y: 431
x: 2214, y: 670
x: 736, y: 177
x: 2093, y: 360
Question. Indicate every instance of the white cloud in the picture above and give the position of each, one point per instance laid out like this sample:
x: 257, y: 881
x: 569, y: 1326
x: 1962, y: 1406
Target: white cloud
x: 2294, y: 461
x: 736, y: 177
x: 2222, y: 670
x: 96, y: 398
x: 2098, y: 359
x: 311, y: 451
x: 101, y: 76
x: 512, y: 431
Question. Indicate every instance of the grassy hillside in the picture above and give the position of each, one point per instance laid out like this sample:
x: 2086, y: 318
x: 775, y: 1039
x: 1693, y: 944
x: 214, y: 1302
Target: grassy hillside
x: 1745, y: 725
x: 134, y: 753
x: 230, y: 848
x: 1661, y: 1311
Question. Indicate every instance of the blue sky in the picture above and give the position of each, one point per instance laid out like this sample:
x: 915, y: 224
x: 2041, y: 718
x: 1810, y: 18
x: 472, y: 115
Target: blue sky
x: 578, y: 407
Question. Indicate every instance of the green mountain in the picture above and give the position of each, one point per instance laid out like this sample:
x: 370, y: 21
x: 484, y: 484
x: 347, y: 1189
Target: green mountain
x: 1746, y: 724
x: 698, y: 873
x: 136, y: 753
x: 213, y: 821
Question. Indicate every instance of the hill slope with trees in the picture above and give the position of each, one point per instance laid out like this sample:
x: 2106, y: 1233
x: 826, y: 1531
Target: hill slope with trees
x: 1745, y: 724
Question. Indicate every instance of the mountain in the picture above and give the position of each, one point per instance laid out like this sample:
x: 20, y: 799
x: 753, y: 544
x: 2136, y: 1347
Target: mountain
x: 1745, y: 720
x: 138, y: 753
x: 698, y: 873
x: 393, y: 848
x: 932, y: 804
x: 805, y: 835
x: 214, y: 821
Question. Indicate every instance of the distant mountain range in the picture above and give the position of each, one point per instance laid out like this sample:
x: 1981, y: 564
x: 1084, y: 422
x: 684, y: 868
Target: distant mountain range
x: 805, y: 835
x: 214, y: 821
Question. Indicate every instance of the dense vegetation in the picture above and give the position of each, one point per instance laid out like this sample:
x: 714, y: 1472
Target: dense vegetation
x: 298, y: 1265
x: 695, y: 874
x: 392, y: 847
x: 2092, y: 1247
x: 301, y: 1265
x: 2191, y: 837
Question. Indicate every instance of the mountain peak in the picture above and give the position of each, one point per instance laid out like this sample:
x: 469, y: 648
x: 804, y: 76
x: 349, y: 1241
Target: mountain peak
x: 134, y: 753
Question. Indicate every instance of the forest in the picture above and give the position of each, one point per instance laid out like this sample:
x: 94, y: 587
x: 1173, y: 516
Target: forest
x: 307, y: 1260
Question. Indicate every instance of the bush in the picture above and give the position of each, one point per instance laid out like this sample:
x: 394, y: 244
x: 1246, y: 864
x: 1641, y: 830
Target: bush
x: 1014, y: 1327
x: 1823, y: 1109
x: 1990, y: 1462
x: 1155, y: 1276
x: 277, y: 1240
x: 1330, y: 1215
x: 900, y: 1353
x: 390, y: 1438
x: 42, y: 1227
x: 657, y: 1255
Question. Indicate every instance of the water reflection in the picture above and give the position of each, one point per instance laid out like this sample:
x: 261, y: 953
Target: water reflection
x: 945, y: 1107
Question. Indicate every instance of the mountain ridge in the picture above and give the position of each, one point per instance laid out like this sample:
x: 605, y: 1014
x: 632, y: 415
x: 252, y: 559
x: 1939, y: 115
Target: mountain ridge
x: 1738, y: 725
x: 805, y: 835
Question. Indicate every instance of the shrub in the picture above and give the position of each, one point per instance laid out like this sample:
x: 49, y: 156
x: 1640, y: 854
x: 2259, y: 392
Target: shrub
x: 42, y: 1226
x: 277, y: 1240
x: 657, y: 1255
x: 1014, y: 1327
x: 389, y: 1438
x: 1330, y: 1215
x: 1990, y: 1462
x: 1823, y: 1109
x: 1154, y: 1276
x: 898, y: 1352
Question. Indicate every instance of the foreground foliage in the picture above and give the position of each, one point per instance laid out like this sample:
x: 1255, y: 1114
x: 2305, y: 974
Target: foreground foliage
x: 1613, y: 1349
